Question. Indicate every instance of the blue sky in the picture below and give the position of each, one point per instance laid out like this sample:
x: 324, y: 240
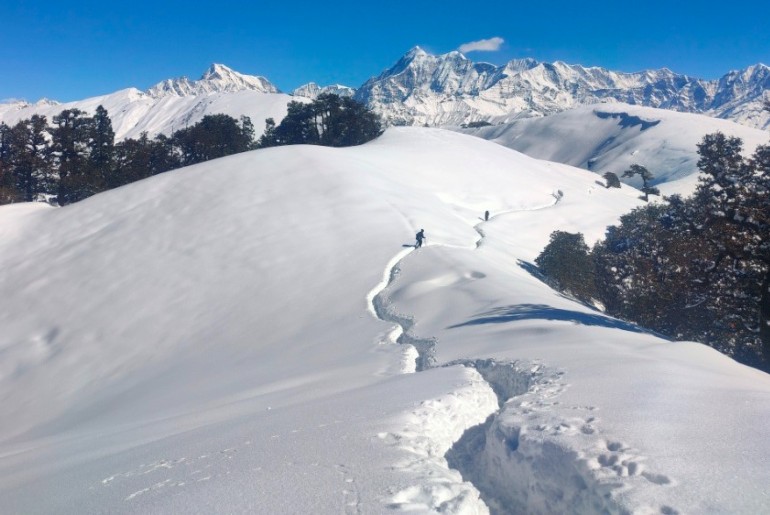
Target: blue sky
x: 78, y: 49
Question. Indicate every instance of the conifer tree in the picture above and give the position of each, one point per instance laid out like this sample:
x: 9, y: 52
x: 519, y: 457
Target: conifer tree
x: 70, y: 137
x: 699, y: 268
x: 101, y: 149
x: 328, y: 120
x: 8, y: 191
x: 567, y: 264
x: 28, y: 157
x: 214, y: 136
x: 646, y: 176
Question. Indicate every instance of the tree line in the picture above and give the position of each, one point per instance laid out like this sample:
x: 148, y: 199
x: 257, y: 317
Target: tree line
x: 695, y: 268
x: 329, y: 120
x: 76, y: 156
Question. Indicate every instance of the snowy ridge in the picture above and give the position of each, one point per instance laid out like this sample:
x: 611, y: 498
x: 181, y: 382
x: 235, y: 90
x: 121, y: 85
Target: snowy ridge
x: 200, y: 342
x: 217, y: 79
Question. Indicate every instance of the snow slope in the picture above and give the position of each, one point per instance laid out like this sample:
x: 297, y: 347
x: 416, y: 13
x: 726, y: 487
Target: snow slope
x: 220, y: 339
x: 611, y: 137
x: 172, y: 104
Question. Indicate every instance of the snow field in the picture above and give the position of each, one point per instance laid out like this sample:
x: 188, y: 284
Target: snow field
x: 213, y: 348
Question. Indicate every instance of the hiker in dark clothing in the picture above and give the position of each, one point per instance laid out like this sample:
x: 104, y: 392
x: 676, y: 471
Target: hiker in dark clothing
x: 486, y: 216
x: 420, y: 236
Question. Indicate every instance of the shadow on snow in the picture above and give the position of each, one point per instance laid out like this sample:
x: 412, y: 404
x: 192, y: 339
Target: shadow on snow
x: 519, y: 312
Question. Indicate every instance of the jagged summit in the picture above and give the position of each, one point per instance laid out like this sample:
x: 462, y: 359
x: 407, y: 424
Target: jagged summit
x: 415, y: 51
x: 450, y: 89
x: 219, y: 71
x: 218, y: 78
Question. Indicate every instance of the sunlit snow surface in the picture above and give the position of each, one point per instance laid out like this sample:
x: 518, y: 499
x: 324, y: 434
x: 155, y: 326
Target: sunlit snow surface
x: 204, y: 342
x: 611, y: 137
x: 133, y: 112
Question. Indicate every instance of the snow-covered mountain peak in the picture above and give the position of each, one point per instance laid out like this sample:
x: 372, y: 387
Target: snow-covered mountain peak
x: 415, y: 51
x: 221, y: 72
x: 455, y: 54
x: 19, y: 103
x: 311, y: 90
x: 44, y: 102
x: 218, y: 78
x: 518, y: 65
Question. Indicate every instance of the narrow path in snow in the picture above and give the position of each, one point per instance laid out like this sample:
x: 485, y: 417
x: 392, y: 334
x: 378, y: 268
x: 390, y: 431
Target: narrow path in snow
x: 506, y: 379
x: 512, y: 471
x: 421, y: 349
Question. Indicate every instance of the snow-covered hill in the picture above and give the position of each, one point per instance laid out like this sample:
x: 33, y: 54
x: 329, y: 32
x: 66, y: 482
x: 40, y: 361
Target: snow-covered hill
x: 611, y: 137
x: 220, y: 339
x: 450, y: 89
x: 172, y: 104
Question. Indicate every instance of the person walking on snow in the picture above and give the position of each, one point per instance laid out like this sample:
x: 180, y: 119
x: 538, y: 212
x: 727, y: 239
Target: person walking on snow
x: 419, y: 237
x: 486, y: 216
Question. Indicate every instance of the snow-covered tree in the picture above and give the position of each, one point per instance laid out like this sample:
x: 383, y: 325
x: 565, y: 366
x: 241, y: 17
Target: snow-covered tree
x: 736, y: 222
x: 699, y: 268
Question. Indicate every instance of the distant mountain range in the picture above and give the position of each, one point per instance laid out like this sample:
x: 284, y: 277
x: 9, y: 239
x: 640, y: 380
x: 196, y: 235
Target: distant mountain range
x: 450, y: 89
x: 433, y: 90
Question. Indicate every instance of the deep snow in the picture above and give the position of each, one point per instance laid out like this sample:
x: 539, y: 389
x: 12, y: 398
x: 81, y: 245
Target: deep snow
x: 204, y: 341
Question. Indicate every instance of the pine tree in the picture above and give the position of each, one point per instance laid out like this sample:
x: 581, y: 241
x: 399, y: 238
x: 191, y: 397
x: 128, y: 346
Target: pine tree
x: 329, y: 120
x: 268, y: 138
x: 736, y: 222
x: 699, y: 268
x: 70, y: 138
x: 9, y: 193
x: 214, y: 136
x: 28, y: 157
x: 567, y: 264
x: 101, y: 150
x: 646, y: 176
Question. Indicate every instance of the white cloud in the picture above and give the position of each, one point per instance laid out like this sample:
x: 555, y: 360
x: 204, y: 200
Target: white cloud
x: 482, y: 45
